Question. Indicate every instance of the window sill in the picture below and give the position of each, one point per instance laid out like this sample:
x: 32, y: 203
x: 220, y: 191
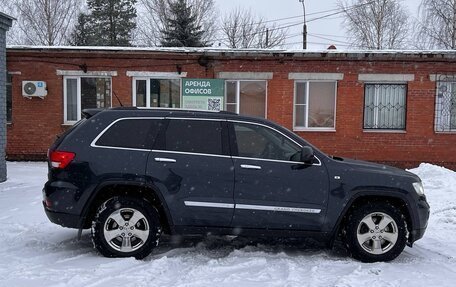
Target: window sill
x: 446, y: 133
x: 385, y: 131
x: 67, y: 124
x: 329, y: 130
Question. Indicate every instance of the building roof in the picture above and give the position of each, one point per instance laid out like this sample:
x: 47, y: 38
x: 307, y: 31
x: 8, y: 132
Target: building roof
x: 7, y: 16
x: 211, y: 51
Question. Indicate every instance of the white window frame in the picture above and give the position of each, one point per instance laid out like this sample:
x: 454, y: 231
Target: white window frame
x: 147, y: 79
x: 306, y: 127
x: 78, y: 96
x: 238, y: 94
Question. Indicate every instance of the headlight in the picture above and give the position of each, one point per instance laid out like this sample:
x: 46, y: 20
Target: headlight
x: 418, y: 186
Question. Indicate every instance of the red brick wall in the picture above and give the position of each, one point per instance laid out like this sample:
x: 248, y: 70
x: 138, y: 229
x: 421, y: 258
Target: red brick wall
x: 36, y: 122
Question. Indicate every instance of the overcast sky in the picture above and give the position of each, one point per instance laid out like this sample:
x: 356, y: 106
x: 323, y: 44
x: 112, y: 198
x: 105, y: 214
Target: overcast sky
x: 321, y: 33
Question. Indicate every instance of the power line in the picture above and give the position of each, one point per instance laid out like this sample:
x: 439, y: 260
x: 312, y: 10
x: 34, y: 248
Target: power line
x: 299, y: 16
x: 316, y: 43
x: 292, y: 24
x: 329, y: 39
x: 329, y: 35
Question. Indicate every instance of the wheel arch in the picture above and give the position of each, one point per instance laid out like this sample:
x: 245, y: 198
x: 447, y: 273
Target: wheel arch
x: 110, y: 189
x: 365, y: 197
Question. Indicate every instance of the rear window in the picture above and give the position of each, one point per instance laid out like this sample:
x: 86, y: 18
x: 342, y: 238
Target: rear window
x: 131, y: 133
x: 194, y: 136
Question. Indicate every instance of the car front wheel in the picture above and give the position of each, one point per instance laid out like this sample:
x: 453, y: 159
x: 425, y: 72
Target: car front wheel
x: 376, y: 232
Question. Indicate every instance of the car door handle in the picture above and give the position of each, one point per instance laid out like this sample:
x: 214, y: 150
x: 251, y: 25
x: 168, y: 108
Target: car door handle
x: 248, y: 166
x: 163, y: 159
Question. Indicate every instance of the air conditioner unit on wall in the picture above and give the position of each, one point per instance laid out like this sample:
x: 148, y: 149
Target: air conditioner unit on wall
x: 34, y: 89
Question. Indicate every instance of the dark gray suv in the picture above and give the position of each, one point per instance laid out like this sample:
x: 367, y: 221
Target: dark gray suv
x: 132, y: 174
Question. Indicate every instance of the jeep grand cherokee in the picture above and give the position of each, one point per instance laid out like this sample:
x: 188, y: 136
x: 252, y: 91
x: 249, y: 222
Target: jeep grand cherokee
x: 132, y: 174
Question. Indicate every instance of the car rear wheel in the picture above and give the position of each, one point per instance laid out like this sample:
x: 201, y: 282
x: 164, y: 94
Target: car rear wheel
x: 126, y: 227
x: 376, y: 232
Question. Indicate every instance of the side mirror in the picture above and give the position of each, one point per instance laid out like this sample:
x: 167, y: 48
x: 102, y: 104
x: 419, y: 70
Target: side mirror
x: 307, y: 154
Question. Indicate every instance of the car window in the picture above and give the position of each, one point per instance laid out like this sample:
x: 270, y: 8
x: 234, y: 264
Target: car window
x: 194, y: 136
x: 131, y: 133
x: 256, y: 141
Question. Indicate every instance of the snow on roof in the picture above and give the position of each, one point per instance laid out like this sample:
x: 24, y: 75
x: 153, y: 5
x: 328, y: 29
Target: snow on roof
x: 214, y: 50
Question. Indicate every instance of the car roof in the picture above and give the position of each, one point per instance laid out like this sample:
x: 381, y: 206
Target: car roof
x: 167, y: 112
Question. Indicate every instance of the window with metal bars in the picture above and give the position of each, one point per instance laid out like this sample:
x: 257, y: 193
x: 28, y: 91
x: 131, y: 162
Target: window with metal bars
x: 445, y: 106
x: 385, y: 106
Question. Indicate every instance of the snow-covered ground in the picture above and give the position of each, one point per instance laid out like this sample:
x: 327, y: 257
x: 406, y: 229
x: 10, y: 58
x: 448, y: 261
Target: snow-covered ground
x: 36, y: 252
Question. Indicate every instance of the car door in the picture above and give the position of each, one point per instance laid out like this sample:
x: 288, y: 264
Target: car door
x: 272, y: 188
x: 191, y: 166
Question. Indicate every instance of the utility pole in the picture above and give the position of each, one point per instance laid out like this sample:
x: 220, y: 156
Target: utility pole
x: 304, y: 26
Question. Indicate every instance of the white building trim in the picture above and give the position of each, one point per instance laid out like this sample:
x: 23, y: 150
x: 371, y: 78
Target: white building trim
x: 157, y: 75
x: 79, y: 73
x: 401, y: 78
x: 316, y: 76
x: 245, y: 75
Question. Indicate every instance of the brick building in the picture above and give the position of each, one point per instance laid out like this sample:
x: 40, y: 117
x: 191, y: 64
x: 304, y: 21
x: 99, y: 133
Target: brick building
x: 393, y: 107
x: 5, y: 23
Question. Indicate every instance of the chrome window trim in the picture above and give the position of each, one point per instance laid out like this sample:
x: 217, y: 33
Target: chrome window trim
x: 276, y: 160
x: 258, y: 124
x: 202, y: 154
x: 191, y: 153
x: 273, y: 160
x: 121, y: 148
x: 93, y: 143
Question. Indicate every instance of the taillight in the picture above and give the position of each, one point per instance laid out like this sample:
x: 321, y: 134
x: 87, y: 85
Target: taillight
x: 60, y: 159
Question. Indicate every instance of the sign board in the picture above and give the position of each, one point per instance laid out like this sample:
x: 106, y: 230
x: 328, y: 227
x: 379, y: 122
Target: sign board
x: 203, y: 94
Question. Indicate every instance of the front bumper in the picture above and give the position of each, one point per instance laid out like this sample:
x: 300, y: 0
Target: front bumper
x: 423, y: 211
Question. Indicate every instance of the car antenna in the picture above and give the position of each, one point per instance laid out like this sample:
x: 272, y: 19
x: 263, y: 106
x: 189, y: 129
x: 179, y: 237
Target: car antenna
x: 115, y: 95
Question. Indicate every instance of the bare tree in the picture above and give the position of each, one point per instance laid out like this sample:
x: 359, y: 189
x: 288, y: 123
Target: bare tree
x: 152, y: 18
x: 376, y: 24
x: 436, y: 25
x: 14, y: 34
x: 242, y: 29
x: 46, y: 22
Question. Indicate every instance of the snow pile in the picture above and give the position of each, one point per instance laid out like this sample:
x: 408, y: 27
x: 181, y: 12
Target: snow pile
x: 36, y: 252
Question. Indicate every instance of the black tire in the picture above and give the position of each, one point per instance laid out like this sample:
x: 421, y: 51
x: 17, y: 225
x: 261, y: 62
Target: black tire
x: 379, y: 249
x: 135, y: 239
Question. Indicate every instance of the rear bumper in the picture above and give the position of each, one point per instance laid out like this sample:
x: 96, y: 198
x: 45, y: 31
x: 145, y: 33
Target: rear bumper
x: 63, y: 219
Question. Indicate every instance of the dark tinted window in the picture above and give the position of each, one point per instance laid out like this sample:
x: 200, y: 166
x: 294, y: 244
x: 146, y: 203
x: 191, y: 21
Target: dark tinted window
x: 260, y: 142
x: 194, y: 136
x: 131, y: 133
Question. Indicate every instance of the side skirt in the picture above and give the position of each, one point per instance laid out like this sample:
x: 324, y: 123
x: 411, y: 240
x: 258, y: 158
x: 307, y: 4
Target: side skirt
x: 322, y: 238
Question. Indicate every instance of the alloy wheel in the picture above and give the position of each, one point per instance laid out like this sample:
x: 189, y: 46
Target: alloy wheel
x: 126, y: 230
x: 377, y: 233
